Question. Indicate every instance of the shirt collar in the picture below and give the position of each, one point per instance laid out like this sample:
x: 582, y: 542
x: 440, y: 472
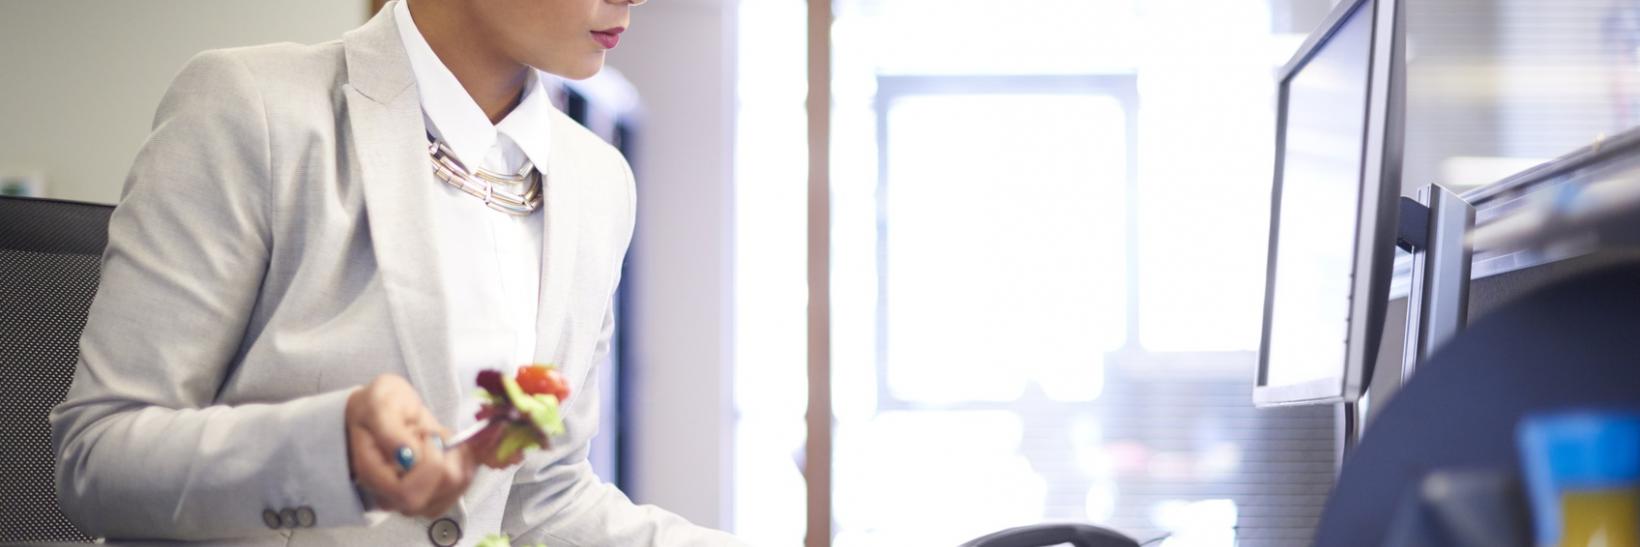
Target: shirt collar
x: 527, y: 124
x: 453, y: 116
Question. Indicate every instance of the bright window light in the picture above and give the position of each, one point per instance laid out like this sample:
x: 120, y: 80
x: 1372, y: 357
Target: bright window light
x: 1044, y: 298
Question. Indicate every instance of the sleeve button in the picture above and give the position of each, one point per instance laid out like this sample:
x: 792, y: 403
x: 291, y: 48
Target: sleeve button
x: 270, y: 518
x: 305, y: 516
x: 287, y: 518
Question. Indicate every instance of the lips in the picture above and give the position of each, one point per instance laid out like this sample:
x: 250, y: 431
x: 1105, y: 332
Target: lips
x: 608, y: 38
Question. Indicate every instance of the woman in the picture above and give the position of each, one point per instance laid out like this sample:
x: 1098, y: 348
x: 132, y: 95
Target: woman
x: 295, y: 303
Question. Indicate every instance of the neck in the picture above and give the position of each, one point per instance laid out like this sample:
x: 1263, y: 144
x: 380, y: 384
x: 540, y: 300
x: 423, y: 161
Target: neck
x: 494, y: 81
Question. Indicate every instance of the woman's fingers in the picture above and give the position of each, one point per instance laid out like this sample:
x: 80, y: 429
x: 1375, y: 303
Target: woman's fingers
x: 387, y: 409
x: 425, y: 482
x: 400, y: 422
x: 394, y: 454
x: 438, y: 479
x: 375, y: 473
x: 429, y: 489
x: 458, y: 470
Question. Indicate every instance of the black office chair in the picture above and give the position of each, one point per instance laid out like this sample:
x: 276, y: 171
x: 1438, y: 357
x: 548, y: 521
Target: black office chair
x: 1572, y: 345
x: 50, y: 258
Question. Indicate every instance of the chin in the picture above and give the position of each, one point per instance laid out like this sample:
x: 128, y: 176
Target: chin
x: 582, y: 74
x: 583, y: 71
x: 573, y: 70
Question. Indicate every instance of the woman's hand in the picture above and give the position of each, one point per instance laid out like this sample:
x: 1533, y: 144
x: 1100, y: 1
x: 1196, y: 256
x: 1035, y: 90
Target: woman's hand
x: 387, y: 415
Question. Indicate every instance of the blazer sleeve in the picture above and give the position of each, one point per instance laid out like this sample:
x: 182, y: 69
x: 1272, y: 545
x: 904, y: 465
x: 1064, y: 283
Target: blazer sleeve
x: 142, y: 449
x: 557, y: 499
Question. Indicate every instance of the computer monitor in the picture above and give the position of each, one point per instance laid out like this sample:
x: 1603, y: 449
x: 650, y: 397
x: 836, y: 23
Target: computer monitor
x: 1333, y: 209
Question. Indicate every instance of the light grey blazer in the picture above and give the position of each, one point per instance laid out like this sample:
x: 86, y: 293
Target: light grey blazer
x: 269, y: 254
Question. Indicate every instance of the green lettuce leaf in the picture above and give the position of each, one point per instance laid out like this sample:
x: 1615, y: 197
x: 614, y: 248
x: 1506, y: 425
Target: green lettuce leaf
x: 494, y: 540
x: 513, y: 439
x: 542, y: 411
x: 499, y: 540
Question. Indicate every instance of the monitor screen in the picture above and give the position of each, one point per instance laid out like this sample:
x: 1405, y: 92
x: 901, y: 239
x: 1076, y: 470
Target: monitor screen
x: 1334, y: 208
x: 1319, y: 206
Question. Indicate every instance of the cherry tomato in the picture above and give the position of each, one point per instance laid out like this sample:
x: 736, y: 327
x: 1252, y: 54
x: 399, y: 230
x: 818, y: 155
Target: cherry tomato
x: 558, y: 385
x: 538, y: 379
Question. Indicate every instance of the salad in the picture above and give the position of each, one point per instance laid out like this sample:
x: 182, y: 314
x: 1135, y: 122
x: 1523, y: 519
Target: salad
x: 526, y: 405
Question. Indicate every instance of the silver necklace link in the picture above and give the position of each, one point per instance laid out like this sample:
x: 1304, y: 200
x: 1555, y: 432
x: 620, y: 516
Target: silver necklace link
x: 518, y: 194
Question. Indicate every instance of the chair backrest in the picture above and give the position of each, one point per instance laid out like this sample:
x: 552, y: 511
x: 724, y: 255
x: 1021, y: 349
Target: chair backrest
x: 1569, y: 345
x: 50, y: 260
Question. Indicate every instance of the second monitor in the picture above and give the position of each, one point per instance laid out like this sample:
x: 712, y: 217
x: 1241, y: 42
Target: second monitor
x: 1333, y: 207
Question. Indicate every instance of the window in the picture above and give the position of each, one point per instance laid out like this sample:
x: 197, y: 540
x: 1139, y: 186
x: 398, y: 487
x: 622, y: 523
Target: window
x: 978, y: 191
x: 1048, y: 229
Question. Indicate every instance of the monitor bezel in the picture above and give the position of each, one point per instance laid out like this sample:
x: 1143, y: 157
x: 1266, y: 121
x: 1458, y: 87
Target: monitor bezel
x: 1380, y: 189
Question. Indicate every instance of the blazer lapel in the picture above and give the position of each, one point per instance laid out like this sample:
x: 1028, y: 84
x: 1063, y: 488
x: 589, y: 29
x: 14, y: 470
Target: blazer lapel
x: 389, y: 142
x: 560, y: 244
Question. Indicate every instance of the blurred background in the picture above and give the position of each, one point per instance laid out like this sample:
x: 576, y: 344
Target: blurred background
x: 1048, y: 227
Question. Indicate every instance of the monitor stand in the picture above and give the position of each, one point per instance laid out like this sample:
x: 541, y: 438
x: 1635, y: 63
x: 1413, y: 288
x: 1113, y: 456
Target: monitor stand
x: 1438, y: 303
x: 1433, y: 228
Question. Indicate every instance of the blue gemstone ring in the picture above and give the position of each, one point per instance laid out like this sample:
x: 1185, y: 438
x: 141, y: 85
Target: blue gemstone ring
x: 406, y: 457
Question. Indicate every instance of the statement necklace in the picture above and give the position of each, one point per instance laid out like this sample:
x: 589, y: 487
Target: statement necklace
x: 515, y: 194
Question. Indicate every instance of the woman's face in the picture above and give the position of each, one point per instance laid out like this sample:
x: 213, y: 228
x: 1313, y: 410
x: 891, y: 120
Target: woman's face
x: 563, y: 37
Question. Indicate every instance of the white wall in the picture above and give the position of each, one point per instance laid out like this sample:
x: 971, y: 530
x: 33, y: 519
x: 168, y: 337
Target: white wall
x: 82, y: 77
x: 680, y: 55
